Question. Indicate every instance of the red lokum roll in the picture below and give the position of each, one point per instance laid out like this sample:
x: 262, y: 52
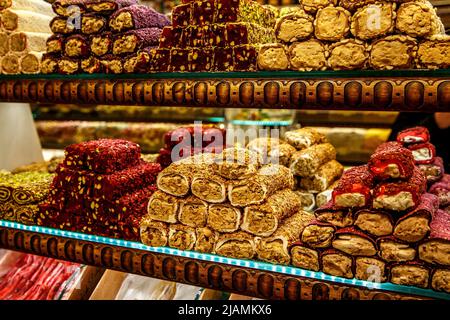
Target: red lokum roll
x: 353, y: 190
x: 400, y: 195
x: 137, y: 17
x: 442, y: 190
x: 423, y: 153
x: 414, y: 135
x: 436, y: 249
x: 391, y: 160
x: 434, y: 171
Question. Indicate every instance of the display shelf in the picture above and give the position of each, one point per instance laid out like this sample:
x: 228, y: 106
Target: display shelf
x: 252, y: 278
x: 396, y: 90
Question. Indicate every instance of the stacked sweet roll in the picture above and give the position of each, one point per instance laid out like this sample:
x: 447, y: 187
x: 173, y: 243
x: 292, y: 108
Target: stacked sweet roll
x: 353, y: 34
x: 24, y: 29
x: 93, y: 36
x: 102, y: 187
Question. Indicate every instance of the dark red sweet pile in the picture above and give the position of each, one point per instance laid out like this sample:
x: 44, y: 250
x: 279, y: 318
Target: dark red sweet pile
x: 102, y: 188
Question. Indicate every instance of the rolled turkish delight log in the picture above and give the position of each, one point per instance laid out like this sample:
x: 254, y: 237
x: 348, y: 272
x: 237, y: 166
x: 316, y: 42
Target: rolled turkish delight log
x: 223, y: 217
x: 67, y: 8
x: 337, y: 264
x: 154, y: 233
x: 375, y: 222
x: 394, y: 250
x: 163, y: 207
x: 440, y: 280
x: 209, y: 187
x: 111, y: 64
x: 306, y: 162
x: 91, y: 24
x: 267, y: 181
x: 370, y: 269
x: 436, y: 249
x: 338, y: 217
x: 25, y: 21
x: 418, y: 19
x: 60, y: 25
x: 263, y: 220
x: 391, y: 160
x: 101, y: 44
x: 27, y: 214
x: 332, y: 23
x: 348, y: 54
x: 28, y: 41
x: 415, y: 225
x: 318, y: 235
x: 354, y: 242
x: 308, y: 55
x: 307, y: 200
x: 10, y: 64
x: 91, y: 65
x: 107, y: 7
x: 304, y: 257
x: 400, y: 196
x: 273, y: 56
x: 441, y: 189
x: 8, y: 212
x: 275, y: 249
x: 49, y: 64
x: 323, y: 178
x: 414, y: 135
x: 181, y: 237
x: 239, y: 245
x: 410, y: 274
x: 393, y: 52
x: 314, y: 5
x: 434, y: 171
x: 68, y: 65
x: 373, y: 21
x: 76, y: 46
x: 206, y: 240
x: 133, y: 40
x: 55, y: 44
x: 193, y: 212
x: 423, y: 153
x: 294, y: 27
x: 4, y: 43
x: 141, y: 62
x: 324, y: 197
x: 30, y: 63
x: 434, y: 53
x: 236, y: 163
x: 137, y: 17
x: 272, y: 150
x: 353, y: 189
x: 304, y: 138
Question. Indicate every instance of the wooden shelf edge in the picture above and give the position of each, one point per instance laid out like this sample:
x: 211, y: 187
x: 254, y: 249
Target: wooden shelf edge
x: 219, y: 276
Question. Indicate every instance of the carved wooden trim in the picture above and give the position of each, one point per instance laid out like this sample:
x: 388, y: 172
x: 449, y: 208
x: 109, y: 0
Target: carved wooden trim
x: 379, y: 94
x: 246, y: 281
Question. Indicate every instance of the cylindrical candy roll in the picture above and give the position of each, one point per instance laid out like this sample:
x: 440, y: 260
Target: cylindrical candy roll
x: 323, y: 178
x: 308, y: 55
x: 304, y: 257
x: 353, y: 189
x: 307, y: 200
x: 181, y: 237
x: 434, y: 53
x: 411, y: 273
x: 423, y: 153
x: 10, y: 64
x: 67, y: 8
x: 436, y: 249
x: 209, y: 187
x: 49, y: 64
x: 111, y: 64
x: 91, y: 65
x: 163, y: 207
x: 101, y: 44
x: 60, y: 25
x: 273, y: 56
x: 76, y: 46
x: 55, y: 44
x: 271, y: 150
x: 193, y: 212
x: 373, y: 21
x: 440, y: 280
x: 107, y: 7
x: 318, y: 235
x: 239, y: 245
x: 264, y: 219
x: 236, y: 163
x: 391, y: 160
x: 370, y: 269
x: 415, y: 225
x: 375, y: 222
x: 434, y: 171
x: 394, y: 250
x: 267, y: 181
x: 332, y: 23
x: 337, y: 263
x: 335, y: 216
x: 4, y: 43
x: 401, y: 53
x: 348, y: 54
x: 68, y: 65
x: 414, y: 135
x: 140, y: 62
x: 28, y: 41
x: 307, y: 161
x: 223, y: 217
x: 91, y: 24
x: 294, y: 27
x: 304, y: 138
x: 30, y: 63
x: 206, y: 240
x: 354, y: 242
x: 137, y: 17
x: 430, y: 24
x: 25, y: 21
x: 133, y: 40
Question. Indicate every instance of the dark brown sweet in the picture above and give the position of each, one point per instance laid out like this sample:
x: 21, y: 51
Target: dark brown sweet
x: 91, y: 24
x: 76, y: 46
x: 55, y: 44
x: 223, y: 59
x: 200, y: 59
x: 179, y: 60
x: 133, y: 40
x: 91, y: 65
x: 137, y: 17
x: 171, y: 37
x: 68, y: 65
x: 245, y: 58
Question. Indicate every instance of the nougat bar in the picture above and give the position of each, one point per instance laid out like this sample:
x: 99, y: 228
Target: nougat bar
x: 68, y: 65
x: 441, y: 189
x: 101, y: 44
x: 179, y: 60
x: 354, y: 188
x: 107, y: 7
x: 171, y: 37
x: 307, y: 200
x: 304, y: 138
x: 294, y: 27
x: 209, y: 187
x: 402, y: 195
x: 49, y: 64
x: 10, y: 64
x: 370, y: 269
x: 206, y: 240
x: 306, y: 162
x: 55, y: 44
x: 76, y: 46
x: 332, y: 24
x: 314, y: 5
x: 415, y: 225
x: 91, y: 65
x: 236, y: 163
x: 269, y: 179
x: 434, y: 171
x: 335, y: 216
x: 304, y: 257
x: 163, y: 207
x: 323, y: 178
x: 391, y: 160
x: 394, y: 250
x: 275, y: 249
x: 423, y: 153
x: 354, y: 242
x: 91, y: 24
x: 434, y: 53
x: 137, y: 17
x: 223, y: 59
x: 245, y: 57
x: 440, y: 280
x: 318, y: 234
x: 393, y: 52
x: 200, y: 59
x: 193, y: 212
x: 263, y: 220
x: 337, y: 264
x: 410, y: 274
x: 181, y: 237
x: 181, y: 15
x: 418, y: 19
x: 436, y: 249
x: 28, y: 41
x: 243, y: 11
x: 223, y: 217
x: 25, y: 21
x: 348, y: 54
x: 308, y: 55
x: 239, y: 245
x: 203, y: 12
x: 373, y: 21
x: 375, y: 222
x: 30, y: 62
x: 273, y: 56
x: 241, y: 33
x: 133, y: 40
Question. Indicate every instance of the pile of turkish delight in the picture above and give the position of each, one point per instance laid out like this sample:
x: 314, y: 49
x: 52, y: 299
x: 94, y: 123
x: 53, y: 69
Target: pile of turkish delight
x: 102, y: 187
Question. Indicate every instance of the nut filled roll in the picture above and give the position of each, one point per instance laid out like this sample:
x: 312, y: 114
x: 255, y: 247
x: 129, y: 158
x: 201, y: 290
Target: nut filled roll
x: 154, y: 233
x: 239, y: 245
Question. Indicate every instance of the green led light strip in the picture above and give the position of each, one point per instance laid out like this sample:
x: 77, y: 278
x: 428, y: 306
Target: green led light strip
x: 287, y: 270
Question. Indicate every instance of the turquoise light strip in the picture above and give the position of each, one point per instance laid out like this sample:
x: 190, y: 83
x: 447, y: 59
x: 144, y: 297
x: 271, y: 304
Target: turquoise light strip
x: 287, y: 270
x: 268, y: 123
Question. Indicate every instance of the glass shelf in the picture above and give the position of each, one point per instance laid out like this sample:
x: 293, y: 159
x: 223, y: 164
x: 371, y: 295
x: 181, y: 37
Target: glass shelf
x: 285, y: 270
